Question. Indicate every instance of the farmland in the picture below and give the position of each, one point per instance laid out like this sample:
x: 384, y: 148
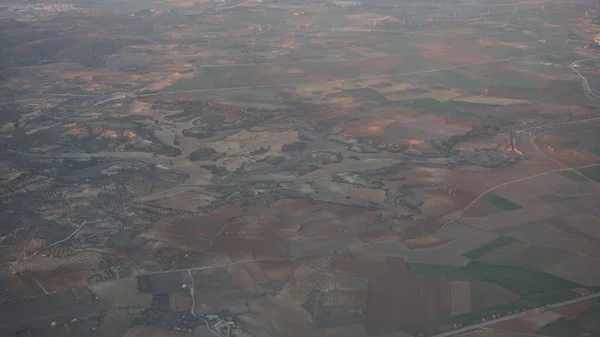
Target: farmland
x: 489, y: 247
x: 299, y: 169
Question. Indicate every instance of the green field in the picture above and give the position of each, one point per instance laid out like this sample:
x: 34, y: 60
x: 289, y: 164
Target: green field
x: 535, y: 288
x: 591, y: 172
x: 501, y: 202
x: 524, y: 282
x: 501, y: 253
x: 489, y: 247
x: 448, y: 108
x: 534, y: 257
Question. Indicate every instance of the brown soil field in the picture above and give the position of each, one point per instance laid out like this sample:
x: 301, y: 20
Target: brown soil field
x: 365, y: 128
x: 62, y: 273
x: 279, y: 270
x: 319, y: 228
x: 586, y: 223
x: 587, y: 249
x: 516, y: 325
x: 181, y: 236
x: 565, y: 227
x: 257, y: 225
x: 424, y: 226
x: 485, y: 295
x: 459, y: 57
x: 273, y: 317
x: 510, y: 219
x: 461, y: 297
x: 382, y: 63
x: 120, y: 293
x: 439, y: 203
x: 240, y: 248
x: 180, y: 302
x: 247, y: 274
x: 426, y: 241
x: 580, y: 269
x: 299, y: 207
x: 542, y: 319
x: 380, y: 235
x: 223, y: 213
x: 463, y: 198
x: 392, y: 308
x: 573, y: 310
x: 184, y: 198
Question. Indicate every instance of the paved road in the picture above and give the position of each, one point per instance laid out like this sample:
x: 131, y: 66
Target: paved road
x: 513, y: 316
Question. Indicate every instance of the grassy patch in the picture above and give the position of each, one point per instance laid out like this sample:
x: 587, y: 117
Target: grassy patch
x: 501, y: 202
x: 489, y: 247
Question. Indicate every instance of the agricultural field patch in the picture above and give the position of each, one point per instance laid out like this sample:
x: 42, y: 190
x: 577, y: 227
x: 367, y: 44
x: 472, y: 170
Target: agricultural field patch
x: 522, y: 281
x: 535, y: 257
x: 403, y: 43
x: 367, y: 94
x: 486, y: 295
x: 448, y: 108
x: 458, y: 79
x: 501, y: 202
x: 586, y: 324
x: 591, y: 172
x: 489, y: 247
x: 573, y: 176
x: 577, y: 268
